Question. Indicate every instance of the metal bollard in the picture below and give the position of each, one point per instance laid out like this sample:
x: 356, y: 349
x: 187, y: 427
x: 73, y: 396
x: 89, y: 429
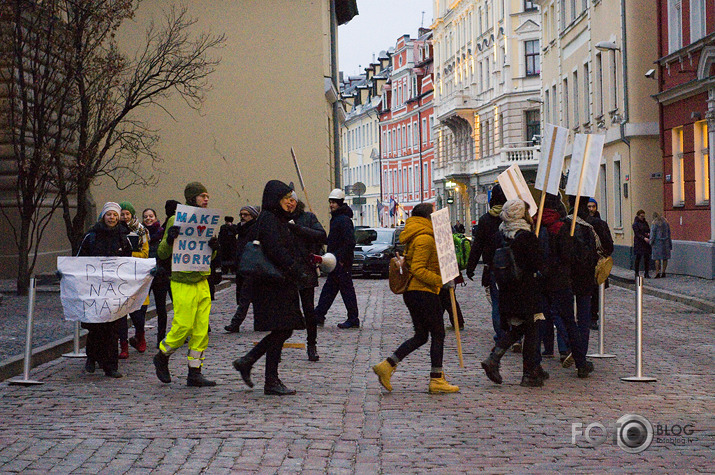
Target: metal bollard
x: 77, y: 353
x: 26, y: 381
x: 639, y: 337
x: 602, y: 324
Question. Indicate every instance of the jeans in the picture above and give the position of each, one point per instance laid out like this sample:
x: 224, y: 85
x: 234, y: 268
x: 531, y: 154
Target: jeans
x: 551, y: 313
x: 561, y: 301
x: 307, y: 298
x: 446, y: 303
x: 494, y: 293
x: 161, y: 314
x: 530, y: 351
x: 272, y: 346
x: 426, y: 312
x: 340, y: 280
x: 243, y: 299
x: 583, y: 318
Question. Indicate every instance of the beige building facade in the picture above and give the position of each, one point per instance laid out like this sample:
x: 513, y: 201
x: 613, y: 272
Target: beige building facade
x: 595, y: 56
x: 487, y: 76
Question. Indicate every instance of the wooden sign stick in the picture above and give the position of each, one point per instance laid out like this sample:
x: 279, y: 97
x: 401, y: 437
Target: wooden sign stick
x: 580, y: 183
x: 455, y: 322
x: 546, y: 183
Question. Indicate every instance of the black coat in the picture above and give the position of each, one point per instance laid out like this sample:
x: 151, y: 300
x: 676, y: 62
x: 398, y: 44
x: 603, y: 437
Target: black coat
x: 243, y: 235
x: 603, y: 231
x: 641, y: 231
x: 276, y: 306
x: 103, y: 241
x: 163, y: 266
x: 310, y: 237
x: 522, y: 299
x: 341, y: 240
x: 483, y: 244
x: 557, y: 249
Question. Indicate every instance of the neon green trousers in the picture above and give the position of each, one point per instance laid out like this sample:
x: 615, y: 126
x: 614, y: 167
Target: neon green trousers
x: 192, y: 305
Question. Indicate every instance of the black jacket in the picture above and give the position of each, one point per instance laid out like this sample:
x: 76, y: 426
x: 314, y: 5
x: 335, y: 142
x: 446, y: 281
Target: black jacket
x: 483, y: 245
x: 522, y: 299
x: 244, y: 235
x: 603, y: 231
x: 163, y: 266
x: 276, y: 306
x: 641, y: 230
x: 310, y: 237
x: 103, y: 241
x: 341, y: 240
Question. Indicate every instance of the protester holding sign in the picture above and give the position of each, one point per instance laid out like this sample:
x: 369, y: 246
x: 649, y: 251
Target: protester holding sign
x: 190, y: 295
x: 106, y: 238
x: 276, y: 304
x: 160, y: 286
x: 422, y: 300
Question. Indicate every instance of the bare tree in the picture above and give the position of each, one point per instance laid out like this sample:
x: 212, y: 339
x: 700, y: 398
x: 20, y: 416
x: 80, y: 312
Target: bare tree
x: 37, y: 114
x: 111, y: 140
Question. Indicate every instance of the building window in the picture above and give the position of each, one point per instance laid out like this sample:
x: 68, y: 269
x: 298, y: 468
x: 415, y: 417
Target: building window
x: 603, y: 195
x: 678, y: 167
x: 573, y: 9
x: 617, y: 215
x: 598, y: 81
x: 562, y: 14
x: 702, y: 171
x: 675, y: 25
x: 533, y: 126
x: 565, y: 109
x: 697, y: 20
x: 554, y: 108
x: 529, y: 5
x: 576, y: 103
x: 531, y: 56
x: 547, y: 104
x: 586, y: 95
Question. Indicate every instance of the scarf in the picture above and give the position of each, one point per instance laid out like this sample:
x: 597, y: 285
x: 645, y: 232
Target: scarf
x: 512, y: 216
x: 135, y: 226
x: 495, y: 210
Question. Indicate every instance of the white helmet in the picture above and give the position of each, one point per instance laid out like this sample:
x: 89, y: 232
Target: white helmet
x: 336, y: 194
x: 328, y: 263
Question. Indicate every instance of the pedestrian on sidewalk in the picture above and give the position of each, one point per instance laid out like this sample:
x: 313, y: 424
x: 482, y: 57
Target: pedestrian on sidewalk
x: 227, y: 242
x: 139, y: 236
x: 160, y: 283
x: 661, y: 243
x: 107, y: 238
x: 276, y: 306
x: 341, y: 243
x: 422, y: 301
x: 519, y: 299
x: 192, y: 302
x: 641, y: 243
x: 310, y: 238
x: 600, y: 226
x: 248, y: 215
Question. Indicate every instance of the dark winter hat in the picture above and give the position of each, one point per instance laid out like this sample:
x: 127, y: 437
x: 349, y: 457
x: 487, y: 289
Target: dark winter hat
x: 252, y: 210
x: 591, y: 200
x: 193, y: 190
x: 498, y: 197
x: 125, y: 205
x: 170, y: 207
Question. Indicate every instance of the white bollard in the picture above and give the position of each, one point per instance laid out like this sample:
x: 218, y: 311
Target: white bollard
x: 602, y: 324
x: 639, y: 337
x: 77, y: 353
x: 26, y: 381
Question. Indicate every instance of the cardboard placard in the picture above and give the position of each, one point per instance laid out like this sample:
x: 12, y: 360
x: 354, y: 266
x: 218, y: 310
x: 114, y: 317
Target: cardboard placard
x: 514, y: 187
x: 191, y: 251
x: 446, y: 254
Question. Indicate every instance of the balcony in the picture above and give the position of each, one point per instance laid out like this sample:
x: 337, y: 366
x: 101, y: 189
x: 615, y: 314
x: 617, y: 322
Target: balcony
x: 522, y: 156
x: 454, y: 169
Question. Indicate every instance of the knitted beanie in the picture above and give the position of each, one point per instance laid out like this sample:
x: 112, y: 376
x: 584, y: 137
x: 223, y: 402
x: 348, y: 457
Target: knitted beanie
x: 128, y: 206
x: 252, y: 210
x: 512, y: 210
x: 110, y: 206
x: 193, y: 190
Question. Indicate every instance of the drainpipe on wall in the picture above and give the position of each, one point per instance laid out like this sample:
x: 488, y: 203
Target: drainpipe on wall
x: 336, y: 104
x: 710, y: 115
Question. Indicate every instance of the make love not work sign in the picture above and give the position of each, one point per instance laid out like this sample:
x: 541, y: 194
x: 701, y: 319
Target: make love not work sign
x: 191, y: 250
x: 103, y: 289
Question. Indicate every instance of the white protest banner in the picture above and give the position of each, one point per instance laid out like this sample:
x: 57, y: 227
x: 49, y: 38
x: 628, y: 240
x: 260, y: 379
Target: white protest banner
x: 191, y: 250
x: 553, y: 149
x: 103, y: 289
x: 585, y: 160
x: 515, y: 188
x: 446, y: 254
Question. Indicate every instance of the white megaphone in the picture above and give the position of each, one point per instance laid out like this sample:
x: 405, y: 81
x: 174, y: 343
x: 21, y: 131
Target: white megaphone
x: 328, y: 263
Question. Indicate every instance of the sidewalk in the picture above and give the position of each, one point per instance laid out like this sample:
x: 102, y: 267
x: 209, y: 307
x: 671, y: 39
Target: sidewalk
x: 342, y: 421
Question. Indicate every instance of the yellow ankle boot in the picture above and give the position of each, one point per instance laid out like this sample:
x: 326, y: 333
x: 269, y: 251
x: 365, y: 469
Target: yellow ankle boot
x: 440, y: 385
x: 384, y: 372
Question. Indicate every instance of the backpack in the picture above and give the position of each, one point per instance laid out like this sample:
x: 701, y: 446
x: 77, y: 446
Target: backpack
x: 462, y: 246
x: 399, y: 274
x: 506, y: 271
x: 585, y: 256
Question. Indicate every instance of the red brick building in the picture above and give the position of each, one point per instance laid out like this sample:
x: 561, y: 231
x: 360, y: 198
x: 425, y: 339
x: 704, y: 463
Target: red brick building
x: 686, y: 76
x: 406, y: 120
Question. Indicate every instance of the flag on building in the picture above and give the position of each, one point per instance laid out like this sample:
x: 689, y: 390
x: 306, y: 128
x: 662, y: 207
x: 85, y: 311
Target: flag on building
x: 393, y: 206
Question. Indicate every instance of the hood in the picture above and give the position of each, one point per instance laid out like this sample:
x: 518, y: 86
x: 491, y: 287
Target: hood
x: 343, y: 209
x: 272, y: 194
x: 551, y: 219
x: 414, y: 226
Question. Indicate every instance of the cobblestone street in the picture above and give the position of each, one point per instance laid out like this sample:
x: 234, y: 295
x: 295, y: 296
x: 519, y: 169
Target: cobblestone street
x: 341, y: 421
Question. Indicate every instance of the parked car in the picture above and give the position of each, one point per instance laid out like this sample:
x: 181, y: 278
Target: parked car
x: 374, y: 247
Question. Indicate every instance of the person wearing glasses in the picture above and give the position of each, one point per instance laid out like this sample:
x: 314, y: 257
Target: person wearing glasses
x: 248, y: 217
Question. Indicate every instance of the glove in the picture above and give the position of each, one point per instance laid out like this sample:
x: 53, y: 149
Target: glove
x: 172, y: 233
x: 470, y: 274
x: 213, y: 243
x: 153, y: 271
x: 315, y: 259
x: 58, y: 274
x: 459, y: 279
x: 448, y: 285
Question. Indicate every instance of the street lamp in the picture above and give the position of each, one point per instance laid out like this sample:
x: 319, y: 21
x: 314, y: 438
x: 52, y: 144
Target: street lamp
x: 607, y: 46
x: 534, y: 100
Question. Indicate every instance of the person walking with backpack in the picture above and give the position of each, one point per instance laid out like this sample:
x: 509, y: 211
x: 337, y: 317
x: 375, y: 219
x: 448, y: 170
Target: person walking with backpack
x: 516, y: 261
x: 422, y: 300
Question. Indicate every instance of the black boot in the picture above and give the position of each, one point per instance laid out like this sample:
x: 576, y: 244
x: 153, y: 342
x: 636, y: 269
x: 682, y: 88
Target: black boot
x: 274, y: 386
x: 542, y: 373
x: 313, y: 353
x: 491, y: 364
x: 90, y: 365
x: 243, y: 365
x: 161, y: 363
x: 232, y: 328
x: 196, y: 379
x: 531, y: 379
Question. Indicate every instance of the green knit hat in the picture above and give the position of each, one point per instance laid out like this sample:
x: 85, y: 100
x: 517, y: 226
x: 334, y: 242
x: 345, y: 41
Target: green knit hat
x: 125, y: 205
x: 193, y: 190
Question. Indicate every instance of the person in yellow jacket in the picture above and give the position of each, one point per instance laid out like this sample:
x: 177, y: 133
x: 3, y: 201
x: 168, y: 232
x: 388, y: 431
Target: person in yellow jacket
x: 192, y: 303
x: 139, y: 237
x: 422, y: 300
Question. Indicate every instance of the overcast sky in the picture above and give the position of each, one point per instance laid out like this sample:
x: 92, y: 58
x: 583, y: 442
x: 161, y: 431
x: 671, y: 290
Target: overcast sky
x: 376, y: 28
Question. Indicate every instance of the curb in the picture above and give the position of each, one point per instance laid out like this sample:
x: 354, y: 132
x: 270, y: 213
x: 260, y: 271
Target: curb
x: 14, y: 366
x: 700, y: 304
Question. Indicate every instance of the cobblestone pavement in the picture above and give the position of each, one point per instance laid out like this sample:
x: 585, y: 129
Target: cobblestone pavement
x: 341, y: 421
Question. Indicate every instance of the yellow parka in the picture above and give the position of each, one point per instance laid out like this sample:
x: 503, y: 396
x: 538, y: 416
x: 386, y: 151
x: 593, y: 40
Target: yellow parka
x: 421, y: 255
